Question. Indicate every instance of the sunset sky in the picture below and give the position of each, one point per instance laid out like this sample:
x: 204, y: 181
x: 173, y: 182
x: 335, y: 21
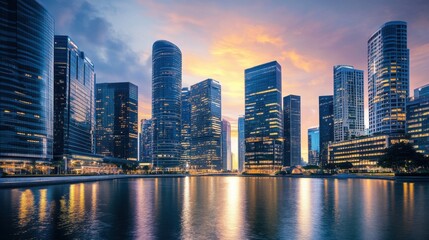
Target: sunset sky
x: 219, y: 39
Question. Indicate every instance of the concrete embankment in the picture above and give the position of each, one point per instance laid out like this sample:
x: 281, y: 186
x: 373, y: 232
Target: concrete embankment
x: 16, y: 182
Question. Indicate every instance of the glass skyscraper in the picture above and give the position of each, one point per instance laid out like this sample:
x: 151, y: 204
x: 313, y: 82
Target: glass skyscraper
x: 326, y: 126
x: 146, y: 141
x: 26, y: 83
x: 226, y: 145
x: 388, y: 78
x: 263, y: 118
x: 348, y: 103
x: 74, y: 118
x: 186, y: 125
x: 116, y: 120
x: 418, y: 119
x: 241, y: 144
x: 313, y: 146
x: 292, y: 130
x: 166, y: 104
x: 206, y: 125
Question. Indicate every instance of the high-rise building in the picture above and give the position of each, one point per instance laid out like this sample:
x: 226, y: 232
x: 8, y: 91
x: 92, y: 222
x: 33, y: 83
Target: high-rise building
x: 313, y: 145
x: 226, y: 145
x: 166, y: 104
x: 74, y: 101
x: 263, y: 118
x: 186, y: 125
x: 26, y: 84
x: 388, y: 78
x: 348, y: 103
x: 241, y: 144
x: 206, y: 125
x: 418, y: 119
x: 326, y: 125
x: 146, y: 141
x: 116, y: 120
x: 292, y: 130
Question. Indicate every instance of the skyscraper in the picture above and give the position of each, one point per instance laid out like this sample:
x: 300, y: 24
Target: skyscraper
x: 388, y: 78
x: 418, y: 119
x: 226, y: 145
x: 166, y: 104
x: 116, y: 120
x: 326, y: 126
x: 74, y: 101
x: 206, y: 125
x: 313, y: 146
x: 263, y: 118
x: 348, y: 103
x: 26, y: 82
x: 146, y: 141
x: 241, y: 144
x: 292, y: 130
x: 186, y: 125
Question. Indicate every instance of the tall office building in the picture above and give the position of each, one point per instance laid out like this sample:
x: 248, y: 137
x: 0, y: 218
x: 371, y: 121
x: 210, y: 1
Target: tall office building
x: 418, y: 119
x: 348, y: 103
x: 116, y: 120
x: 326, y: 126
x: 74, y: 101
x: 241, y: 144
x: 26, y: 83
x: 146, y: 141
x: 166, y: 104
x: 226, y: 145
x: 263, y: 118
x: 206, y: 125
x: 186, y: 125
x: 292, y: 130
x: 313, y: 145
x: 388, y: 78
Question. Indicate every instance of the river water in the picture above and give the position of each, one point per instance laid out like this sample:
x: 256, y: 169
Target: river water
x: 218, y: 208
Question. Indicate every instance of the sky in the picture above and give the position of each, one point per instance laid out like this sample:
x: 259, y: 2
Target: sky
x: 219, y: 39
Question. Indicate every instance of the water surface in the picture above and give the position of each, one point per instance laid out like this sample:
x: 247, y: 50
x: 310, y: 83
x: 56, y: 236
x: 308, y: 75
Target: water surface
x: 218, y: 208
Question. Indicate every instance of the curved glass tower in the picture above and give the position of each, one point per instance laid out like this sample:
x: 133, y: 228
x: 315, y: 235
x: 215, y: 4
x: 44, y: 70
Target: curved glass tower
x: 388, y: 78
x: 26, y: 82
x: 166, y: 104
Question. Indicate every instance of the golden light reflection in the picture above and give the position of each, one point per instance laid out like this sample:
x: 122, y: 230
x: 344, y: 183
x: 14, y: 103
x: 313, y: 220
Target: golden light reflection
x: 408, y: 197
x: 304, y: 208
x: 143, y: 200
x: 43, y: 202
x: 94, y: 194
x: 231, y: 219
x: 26, y: 207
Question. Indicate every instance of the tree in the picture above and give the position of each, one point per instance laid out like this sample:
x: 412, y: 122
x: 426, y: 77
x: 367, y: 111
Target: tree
x: 401, y: 156
x: 345, y: 165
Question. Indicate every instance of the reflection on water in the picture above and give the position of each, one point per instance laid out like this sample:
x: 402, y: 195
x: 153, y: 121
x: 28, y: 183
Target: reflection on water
x: 218, y: 208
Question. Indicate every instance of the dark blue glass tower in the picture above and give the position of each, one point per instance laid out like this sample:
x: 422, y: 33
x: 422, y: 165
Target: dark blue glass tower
x: 116, y: 120
x: 186, y: 125
x: 263, y: 118
x: 241, y: 144
x: 313, y: 146
x: 206, y: 125
x: 292, y: 130
x: 26, y: 82
x: 146, y: 141
x: 166, y: 104
x: 74, y: 100
x: 326, y: 125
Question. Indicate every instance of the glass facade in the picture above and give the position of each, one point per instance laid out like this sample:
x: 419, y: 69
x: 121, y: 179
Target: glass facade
x: 116, y: 120
x: 326, y: 125
x: 226, y: 145
x: 74, y: 118
x: 26, y: 82
x: 186, y: 125
x: 418, y: 120
x: 166, y: 104
x: 292, y: 130
x: 388, y: 78
x: 206, y: 125
x: 146, y: 141
x: 348, y: 103
x: 241, y: 144
x: 263, y: 118
x: 313, y: 146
